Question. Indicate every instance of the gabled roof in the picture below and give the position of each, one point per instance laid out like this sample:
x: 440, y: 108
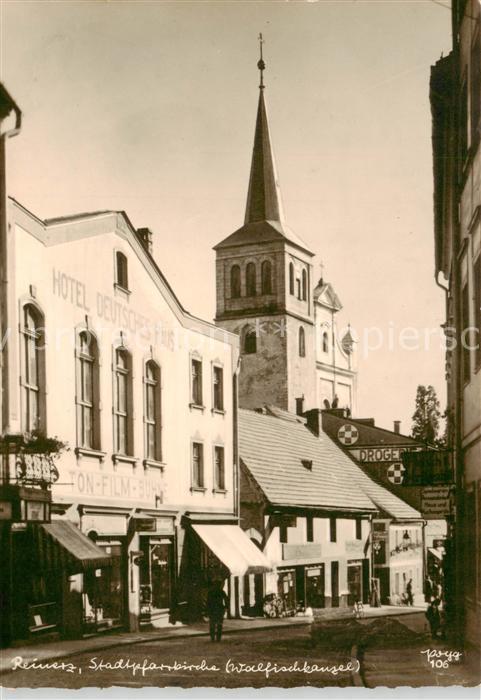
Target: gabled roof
x: 261, y: 232
x: 369, y: 433
x: 325, y: 295
x: 272, y: 447
x: 66, y: 229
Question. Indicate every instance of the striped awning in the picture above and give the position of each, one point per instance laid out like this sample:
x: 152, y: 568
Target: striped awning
x: 61, y: 545
x: 234, y: 549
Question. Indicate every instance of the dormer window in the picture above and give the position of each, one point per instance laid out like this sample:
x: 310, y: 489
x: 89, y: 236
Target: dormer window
x: 121, y: 270
x: 307, y: 464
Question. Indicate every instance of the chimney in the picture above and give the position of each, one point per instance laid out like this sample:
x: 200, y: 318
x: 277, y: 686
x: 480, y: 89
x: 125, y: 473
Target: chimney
x: 314, y: 420
x: 397, y: 426
x: 145, y: 237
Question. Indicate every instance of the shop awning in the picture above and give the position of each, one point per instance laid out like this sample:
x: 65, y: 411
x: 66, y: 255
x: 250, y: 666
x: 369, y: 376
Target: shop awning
x: 61, y: 545
x: 435, y: 553
x: 234, y: 549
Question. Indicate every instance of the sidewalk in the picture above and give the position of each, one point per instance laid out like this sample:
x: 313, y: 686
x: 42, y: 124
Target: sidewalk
x: 64, y: 648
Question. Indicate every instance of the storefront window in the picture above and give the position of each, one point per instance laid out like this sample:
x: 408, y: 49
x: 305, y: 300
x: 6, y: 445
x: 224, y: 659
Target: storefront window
x: 156, y: 571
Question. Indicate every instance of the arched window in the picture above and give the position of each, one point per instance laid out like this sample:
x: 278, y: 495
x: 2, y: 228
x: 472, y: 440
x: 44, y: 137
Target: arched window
x: 325, y: 342
x: 33, y: 370
x: 235, y: 282
x: 266, y: 277
x: 152, y: 411
x: 123, y: 408
x: 250, y: 341
x: 291, y: 278
x: 251, y: 280
x: 302, y: 342
x: 88, y: 414
x: 121, y: 271
x: 304, y: 285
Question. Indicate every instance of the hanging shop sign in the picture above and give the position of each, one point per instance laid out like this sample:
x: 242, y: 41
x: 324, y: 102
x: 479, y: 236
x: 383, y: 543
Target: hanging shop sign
x: 437, y: 501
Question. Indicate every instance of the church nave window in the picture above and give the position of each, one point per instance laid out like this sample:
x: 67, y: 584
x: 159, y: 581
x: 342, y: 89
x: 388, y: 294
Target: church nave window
x: 235, y: 282
x: 266, y: 276
x: 251, y: 280
x: 302, y: 342
x: 304, y: 285
x: 325, y: 342
x: 250, y: 342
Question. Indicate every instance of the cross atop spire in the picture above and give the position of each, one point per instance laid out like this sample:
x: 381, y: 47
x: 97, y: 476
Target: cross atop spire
x: 260, y: 63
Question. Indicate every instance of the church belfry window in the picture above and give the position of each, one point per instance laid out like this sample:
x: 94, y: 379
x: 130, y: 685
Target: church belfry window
x: 291, y: 278
x: 251, y: 280
x: 266, y: 277
x: 304, y: 285
x: 235, y: 282
x: 325, y: 342
x: 302, y: 342
x: 121, y: 270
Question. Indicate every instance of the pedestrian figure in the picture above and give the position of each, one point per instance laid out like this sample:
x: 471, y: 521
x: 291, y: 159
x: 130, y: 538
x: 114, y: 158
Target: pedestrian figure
x: 409, y: 592
x: 434, y: 617
x: 428, y: 589
x: 217, y: 603
x: 375, y: 600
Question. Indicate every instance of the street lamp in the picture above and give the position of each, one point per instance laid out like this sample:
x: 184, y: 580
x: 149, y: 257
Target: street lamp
x: 406, y: 540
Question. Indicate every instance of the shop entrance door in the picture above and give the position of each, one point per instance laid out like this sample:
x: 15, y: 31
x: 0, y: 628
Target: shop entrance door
x: 315, y: 593
x: 335, y: 584
x: 354, y: 582
x: 286, y: 586
x: 103, y: 593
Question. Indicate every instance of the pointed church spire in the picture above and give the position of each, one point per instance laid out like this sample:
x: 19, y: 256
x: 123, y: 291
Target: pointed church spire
x: 264, y: 196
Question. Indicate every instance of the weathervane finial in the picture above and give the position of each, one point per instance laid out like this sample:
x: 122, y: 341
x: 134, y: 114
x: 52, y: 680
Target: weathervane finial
x: 260, y: 63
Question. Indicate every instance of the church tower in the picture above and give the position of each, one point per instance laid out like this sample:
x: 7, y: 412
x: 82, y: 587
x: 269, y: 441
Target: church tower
x: 264, y: 290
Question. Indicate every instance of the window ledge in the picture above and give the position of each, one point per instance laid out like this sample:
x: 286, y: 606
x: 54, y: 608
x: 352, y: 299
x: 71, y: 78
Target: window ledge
x: 89, y: 452
x: 222, y: 491
x: 122, y: 290
x: 219, y: 411
x: 153, y: 464
x: 197, y: 406
x: 124, y: 458
x: 200, y: 489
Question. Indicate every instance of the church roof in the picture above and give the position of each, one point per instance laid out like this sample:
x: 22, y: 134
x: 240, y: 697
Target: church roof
x: 325, y: 295
x: 264, y: 196
x: 264, y: 217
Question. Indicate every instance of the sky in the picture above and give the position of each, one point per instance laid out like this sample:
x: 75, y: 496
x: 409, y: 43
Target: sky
x: 149, y: 107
